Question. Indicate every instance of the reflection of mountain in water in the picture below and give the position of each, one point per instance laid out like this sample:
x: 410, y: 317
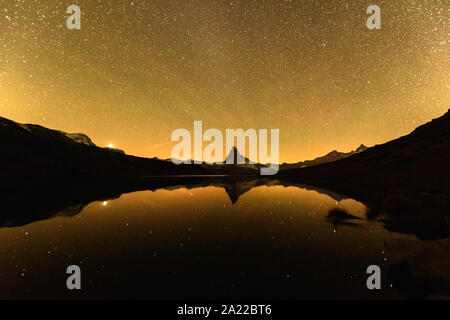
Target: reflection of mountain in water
x: 49, y: 198
x: 416, y: 274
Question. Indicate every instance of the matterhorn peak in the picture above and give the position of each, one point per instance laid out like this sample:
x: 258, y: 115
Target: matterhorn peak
x: 234, y: 157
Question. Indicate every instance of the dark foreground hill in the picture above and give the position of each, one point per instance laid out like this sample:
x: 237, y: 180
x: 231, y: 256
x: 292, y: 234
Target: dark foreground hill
x: 419, y: 161
x: 35, y: 151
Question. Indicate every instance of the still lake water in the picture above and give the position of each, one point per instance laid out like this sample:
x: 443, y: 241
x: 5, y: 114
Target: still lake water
x: 273, y: 242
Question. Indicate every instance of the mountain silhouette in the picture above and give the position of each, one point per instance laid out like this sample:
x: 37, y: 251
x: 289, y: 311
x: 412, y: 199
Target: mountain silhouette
x: 235, y: 164
x: 329, y: 157
x: 48, y: 199
x: 419, y: 161
x: 235, y: 157
x: 28, y: 150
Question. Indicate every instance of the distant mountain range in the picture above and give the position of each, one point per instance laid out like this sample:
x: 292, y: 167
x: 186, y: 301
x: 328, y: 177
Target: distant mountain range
x: 329, y: 157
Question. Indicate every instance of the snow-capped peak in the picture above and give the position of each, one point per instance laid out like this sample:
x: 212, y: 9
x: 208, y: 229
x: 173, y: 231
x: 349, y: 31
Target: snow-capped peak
x: 79, y: 137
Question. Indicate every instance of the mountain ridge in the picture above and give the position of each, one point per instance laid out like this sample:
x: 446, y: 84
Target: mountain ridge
x: 28, y: 150
x: 329, y: 157
x: 419, y: 160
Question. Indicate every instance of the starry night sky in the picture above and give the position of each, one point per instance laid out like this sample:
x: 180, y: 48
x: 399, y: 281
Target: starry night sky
x: 137, y: 70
